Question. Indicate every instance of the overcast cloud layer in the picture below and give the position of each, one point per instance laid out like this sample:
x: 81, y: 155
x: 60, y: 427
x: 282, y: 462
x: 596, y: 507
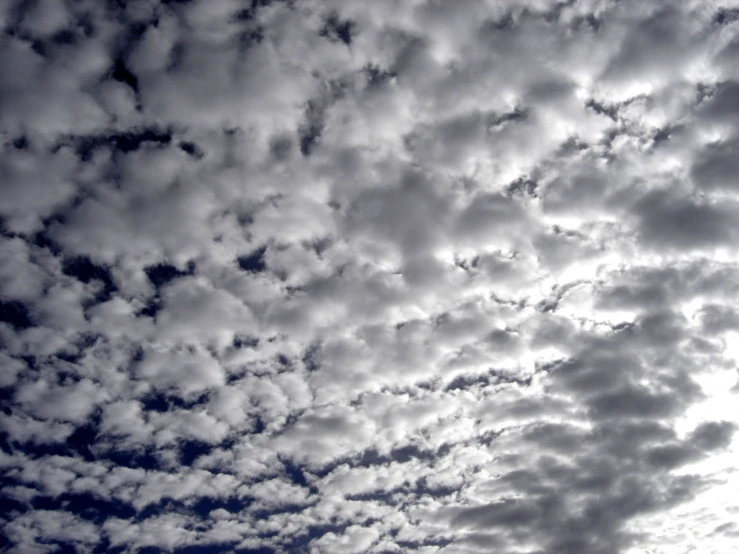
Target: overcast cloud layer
x: 393, y: 276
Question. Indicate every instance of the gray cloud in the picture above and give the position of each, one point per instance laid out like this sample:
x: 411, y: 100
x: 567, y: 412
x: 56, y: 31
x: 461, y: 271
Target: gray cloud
x: 328, y: 276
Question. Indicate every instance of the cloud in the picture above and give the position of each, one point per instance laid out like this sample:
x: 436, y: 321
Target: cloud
x: 330, y: 276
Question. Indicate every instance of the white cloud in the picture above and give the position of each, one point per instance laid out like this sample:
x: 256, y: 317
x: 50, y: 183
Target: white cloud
x: 368, y: 276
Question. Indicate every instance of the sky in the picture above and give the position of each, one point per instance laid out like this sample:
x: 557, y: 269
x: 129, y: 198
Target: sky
x: 387, y: 276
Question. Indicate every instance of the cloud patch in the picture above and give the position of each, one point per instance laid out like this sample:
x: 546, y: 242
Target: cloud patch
x: 368, y: 277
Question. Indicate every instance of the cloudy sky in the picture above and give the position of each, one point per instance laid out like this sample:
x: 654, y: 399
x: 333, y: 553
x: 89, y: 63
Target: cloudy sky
x: 387, y: 276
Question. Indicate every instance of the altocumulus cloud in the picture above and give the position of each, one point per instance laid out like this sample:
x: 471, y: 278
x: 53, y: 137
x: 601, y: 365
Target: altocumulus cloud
x: 336, y: 276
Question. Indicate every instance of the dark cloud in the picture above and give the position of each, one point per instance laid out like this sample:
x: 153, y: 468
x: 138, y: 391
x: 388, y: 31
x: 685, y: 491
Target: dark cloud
x: 716, y: 166
x: 675, y: 221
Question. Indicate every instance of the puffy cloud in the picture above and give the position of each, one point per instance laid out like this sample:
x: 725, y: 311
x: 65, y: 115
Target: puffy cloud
x: 328, y: 276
